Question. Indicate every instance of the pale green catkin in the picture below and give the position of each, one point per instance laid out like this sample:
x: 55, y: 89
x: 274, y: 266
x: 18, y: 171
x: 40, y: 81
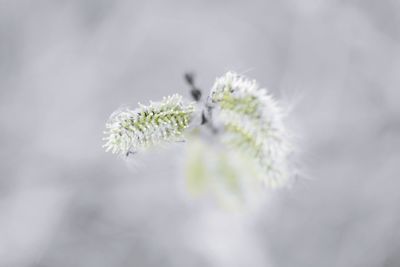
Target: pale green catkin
x: 131, y: 130
x: 252, y: 122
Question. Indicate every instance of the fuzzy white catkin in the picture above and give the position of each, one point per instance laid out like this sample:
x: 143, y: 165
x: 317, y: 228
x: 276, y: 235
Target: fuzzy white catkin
x: 128, y: 131
x: 252, y: 121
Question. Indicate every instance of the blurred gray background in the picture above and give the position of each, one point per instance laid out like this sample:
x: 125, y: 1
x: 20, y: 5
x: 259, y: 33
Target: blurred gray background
x: 66, y: 65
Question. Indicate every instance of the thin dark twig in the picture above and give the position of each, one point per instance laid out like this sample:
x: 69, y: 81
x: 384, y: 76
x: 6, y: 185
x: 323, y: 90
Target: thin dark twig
x: 194, y: 90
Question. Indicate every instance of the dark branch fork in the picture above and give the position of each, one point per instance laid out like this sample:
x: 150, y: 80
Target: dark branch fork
x: 196, y: 93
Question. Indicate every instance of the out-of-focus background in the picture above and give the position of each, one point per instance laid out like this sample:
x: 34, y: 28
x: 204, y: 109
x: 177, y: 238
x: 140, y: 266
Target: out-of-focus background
x: 66, y: 65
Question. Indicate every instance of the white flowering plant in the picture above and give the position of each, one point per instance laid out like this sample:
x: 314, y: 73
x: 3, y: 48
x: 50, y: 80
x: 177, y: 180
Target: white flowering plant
x: 239, y: 126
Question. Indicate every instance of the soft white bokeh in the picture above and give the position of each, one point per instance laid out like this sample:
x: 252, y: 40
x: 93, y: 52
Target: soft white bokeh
x: 66, y: 65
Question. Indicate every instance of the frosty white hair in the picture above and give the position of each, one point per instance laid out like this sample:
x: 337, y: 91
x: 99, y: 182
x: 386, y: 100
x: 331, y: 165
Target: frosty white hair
x: 252, y: 122
x: 131, y: 130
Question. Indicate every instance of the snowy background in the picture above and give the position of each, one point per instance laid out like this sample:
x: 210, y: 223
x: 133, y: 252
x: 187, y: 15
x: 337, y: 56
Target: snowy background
x: 66, y: 65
